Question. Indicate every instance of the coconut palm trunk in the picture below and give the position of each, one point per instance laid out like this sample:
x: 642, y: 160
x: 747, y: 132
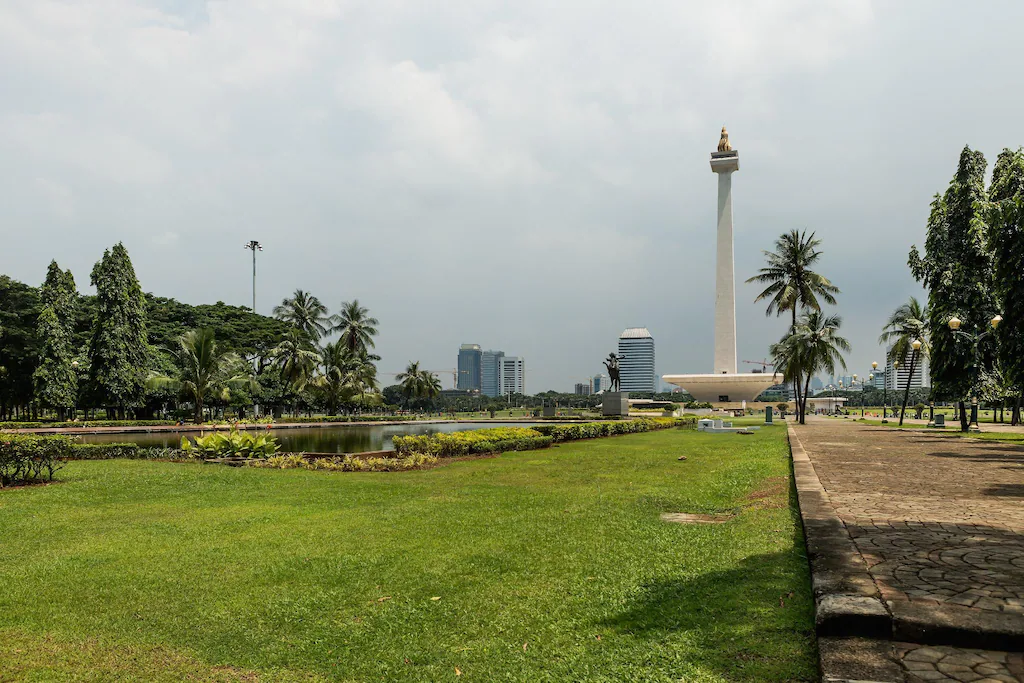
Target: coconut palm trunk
x: 906, y: 390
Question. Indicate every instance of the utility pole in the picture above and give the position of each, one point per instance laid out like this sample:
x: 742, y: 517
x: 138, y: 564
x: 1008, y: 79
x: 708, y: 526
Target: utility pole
x: 253, y: 246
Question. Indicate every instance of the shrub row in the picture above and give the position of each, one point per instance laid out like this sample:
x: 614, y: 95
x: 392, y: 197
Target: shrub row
x: 29, y: 458
x: 347, y: 463
x: 496, y: 440
x: 127, y: 451
x: 349, y: 418
x: 86, y: 423
x: 592, y: 430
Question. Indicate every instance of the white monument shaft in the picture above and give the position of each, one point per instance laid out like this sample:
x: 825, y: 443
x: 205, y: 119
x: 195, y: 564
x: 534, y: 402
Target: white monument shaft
x: 725, y: 385
x: 725, y: 288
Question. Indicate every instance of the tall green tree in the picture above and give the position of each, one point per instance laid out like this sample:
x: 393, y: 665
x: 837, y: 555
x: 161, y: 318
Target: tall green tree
x: 305, y: 312
x: 792, y: 284
x: 345, y: 376
x: 296, y: 360
x: 820, y: 348
x: 19, y: 312
x: 1004, y: 216
x: 55, y: 378
x: 906, y: 325
x: 356, y: 326
x: 204, y: 370
x: 957, y: 270
x: 118, y: 352
x: 417, y: 383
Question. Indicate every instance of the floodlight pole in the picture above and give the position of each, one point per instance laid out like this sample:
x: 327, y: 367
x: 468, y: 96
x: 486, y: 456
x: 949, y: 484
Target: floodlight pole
x: 253, y: 246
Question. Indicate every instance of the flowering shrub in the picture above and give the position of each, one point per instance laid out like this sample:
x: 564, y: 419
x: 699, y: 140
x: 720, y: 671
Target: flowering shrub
x: 347, y: 463
x: 591, y: 430
x: 496, y: 440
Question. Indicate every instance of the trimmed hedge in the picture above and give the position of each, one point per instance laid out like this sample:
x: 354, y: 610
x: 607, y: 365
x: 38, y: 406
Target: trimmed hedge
x: 496, y: 440
x: 593, y: 430
x: 346, y: 463
x: 349, y: 418
x: 127, y: 451
x: 29, y: 458
x: 87, y: 423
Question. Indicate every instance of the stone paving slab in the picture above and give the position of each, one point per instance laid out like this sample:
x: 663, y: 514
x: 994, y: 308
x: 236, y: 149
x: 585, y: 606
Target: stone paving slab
x: 932, y: 527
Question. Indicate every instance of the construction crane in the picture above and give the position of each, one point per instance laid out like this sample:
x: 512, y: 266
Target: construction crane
x: 763, y: 363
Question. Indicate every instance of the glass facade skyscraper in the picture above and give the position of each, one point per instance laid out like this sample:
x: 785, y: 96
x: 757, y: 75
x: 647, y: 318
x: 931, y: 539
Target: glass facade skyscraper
x: 490, y: 373
x: 636, y: 367
x: 470, y: 358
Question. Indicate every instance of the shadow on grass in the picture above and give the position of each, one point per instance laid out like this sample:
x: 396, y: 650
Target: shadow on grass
x: 753, y: 622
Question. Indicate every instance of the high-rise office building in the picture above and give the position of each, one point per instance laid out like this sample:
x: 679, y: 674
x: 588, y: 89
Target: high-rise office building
x: 490, y: 373
x: 896, y: 379
x: 599, y: 382
x: 636, y: 367
x: 583, y: 388
x: 511, y: 376
x: 470, y: 358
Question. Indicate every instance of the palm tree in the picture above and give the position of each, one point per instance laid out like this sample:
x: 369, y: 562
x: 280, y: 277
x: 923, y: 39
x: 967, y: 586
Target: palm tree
x: 204, y: 369
x: 356, y: 326
x: 417, y: 383
x: 905, y: 326
x: 305, y: 312
x: 792, y: 285
x: 345, y: 375
x: 819, y: 348
x: 787, y: 358
x: 296, y: 360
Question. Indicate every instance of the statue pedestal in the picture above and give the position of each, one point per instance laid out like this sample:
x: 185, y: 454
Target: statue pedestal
x: 615, y: 403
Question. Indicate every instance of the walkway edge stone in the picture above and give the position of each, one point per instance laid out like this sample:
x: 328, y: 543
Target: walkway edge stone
x: 853, y: 626
x: 847, y: 601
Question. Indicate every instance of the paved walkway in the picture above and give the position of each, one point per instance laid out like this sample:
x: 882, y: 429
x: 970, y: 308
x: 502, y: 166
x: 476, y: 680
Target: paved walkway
x: 938, y: 523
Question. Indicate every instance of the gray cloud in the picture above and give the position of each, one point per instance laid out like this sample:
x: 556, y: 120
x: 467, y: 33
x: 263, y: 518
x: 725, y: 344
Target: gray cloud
x: 528, y: 176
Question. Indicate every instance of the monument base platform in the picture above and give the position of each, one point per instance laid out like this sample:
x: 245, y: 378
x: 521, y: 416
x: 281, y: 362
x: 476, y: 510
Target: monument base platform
x: 724, y: 388
x: 615, y: 403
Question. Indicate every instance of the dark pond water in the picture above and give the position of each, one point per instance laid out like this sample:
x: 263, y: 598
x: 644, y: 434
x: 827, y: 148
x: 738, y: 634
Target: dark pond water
x: 339, y: 439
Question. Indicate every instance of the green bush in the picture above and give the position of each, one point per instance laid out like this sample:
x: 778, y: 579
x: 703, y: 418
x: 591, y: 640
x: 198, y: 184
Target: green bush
x: 28, y: 458
x: 347, y: 463
x: 591, y: 430
x: 127, y: 451
x: 232, y: 444
x: 496, y: 440
x: 88, y: 423
x: 696, y: 405
x: 521, y: 439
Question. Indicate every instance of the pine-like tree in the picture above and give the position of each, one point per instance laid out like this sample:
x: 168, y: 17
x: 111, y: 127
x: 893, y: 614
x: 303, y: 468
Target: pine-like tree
x: 119, y: 351
x: 957, y: 271
x: 1004, y: 215
x: 55, y: 379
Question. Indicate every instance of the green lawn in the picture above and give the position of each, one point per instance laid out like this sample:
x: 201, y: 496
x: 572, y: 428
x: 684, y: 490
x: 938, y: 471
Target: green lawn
x: 549, y: 565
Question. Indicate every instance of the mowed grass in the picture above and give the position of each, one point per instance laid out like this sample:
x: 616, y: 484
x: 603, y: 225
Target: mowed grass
x: 547, y: 565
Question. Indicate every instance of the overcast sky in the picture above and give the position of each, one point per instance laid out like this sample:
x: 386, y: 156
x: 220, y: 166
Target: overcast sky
x: 529, y: 176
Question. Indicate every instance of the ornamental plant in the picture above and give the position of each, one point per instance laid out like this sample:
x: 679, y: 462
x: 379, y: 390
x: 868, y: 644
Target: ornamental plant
x: 232, y: 444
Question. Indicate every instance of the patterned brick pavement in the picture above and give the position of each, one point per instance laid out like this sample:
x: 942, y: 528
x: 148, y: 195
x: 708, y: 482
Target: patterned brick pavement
x: 938, y: 519
x: 939, y: 523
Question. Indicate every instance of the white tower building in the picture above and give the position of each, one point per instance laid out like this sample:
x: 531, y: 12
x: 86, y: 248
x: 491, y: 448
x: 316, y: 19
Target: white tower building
x: 724, y: 384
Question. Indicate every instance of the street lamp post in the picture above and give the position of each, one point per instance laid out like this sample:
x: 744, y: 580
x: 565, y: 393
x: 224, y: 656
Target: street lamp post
x: 253, y: 246
x: 975, y: 340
